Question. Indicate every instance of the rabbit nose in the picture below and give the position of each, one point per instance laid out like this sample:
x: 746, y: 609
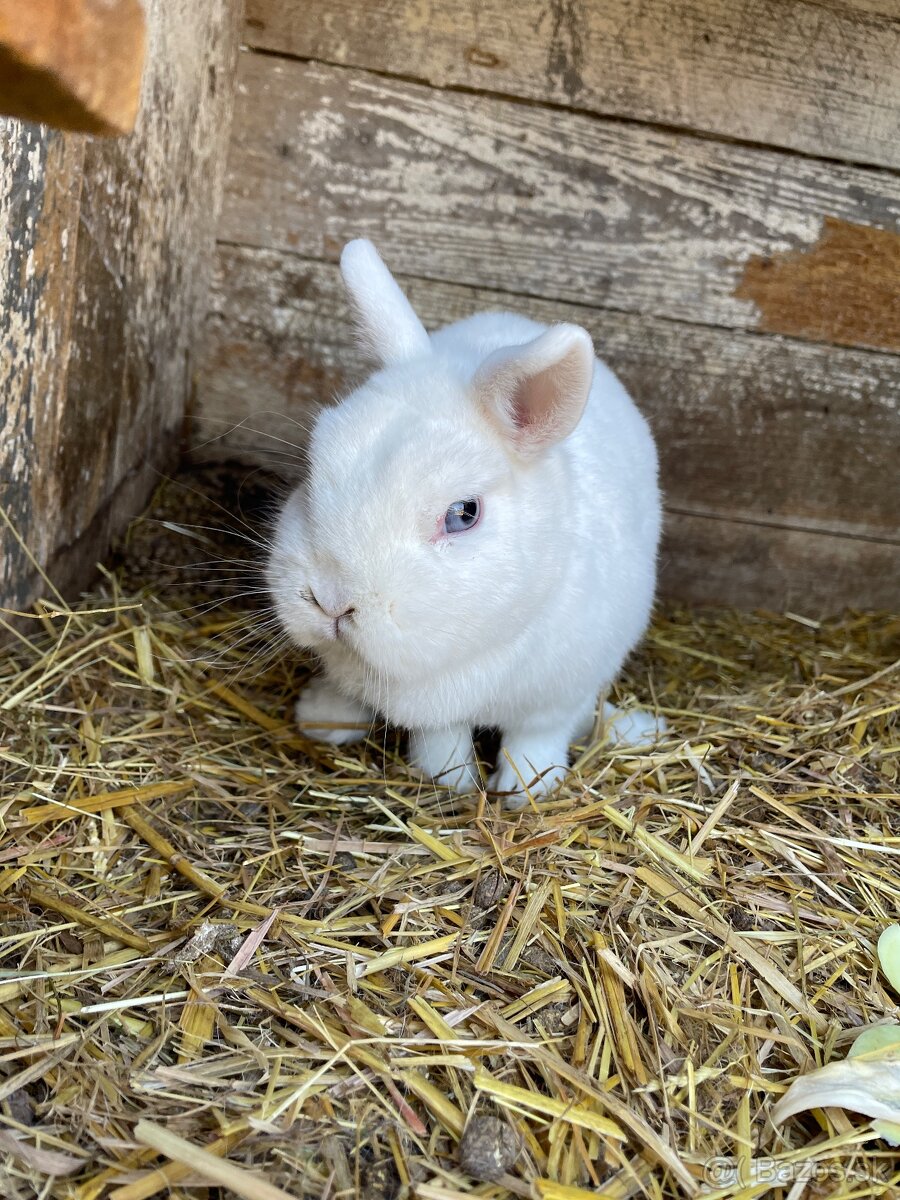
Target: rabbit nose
x: 333, y: 608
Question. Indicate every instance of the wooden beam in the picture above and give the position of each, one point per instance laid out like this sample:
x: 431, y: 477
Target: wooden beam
x: 73, y: 64
x: 821, y: 78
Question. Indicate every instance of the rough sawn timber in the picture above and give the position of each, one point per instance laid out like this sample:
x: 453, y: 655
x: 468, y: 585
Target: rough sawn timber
x: 75, y: 64
x: 762, y: 441
x: 819, y: 77
x: 538, y: 202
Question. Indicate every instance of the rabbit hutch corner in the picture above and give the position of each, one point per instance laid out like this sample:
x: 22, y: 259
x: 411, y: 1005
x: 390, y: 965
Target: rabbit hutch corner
x: 237, y: 961
x: 709, y: 188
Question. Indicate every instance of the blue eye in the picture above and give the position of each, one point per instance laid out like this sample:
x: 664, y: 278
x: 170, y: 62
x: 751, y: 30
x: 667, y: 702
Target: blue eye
x: 462, y: 515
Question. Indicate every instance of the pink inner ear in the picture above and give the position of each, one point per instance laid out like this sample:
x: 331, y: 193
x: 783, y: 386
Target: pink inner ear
x: 548, y: 390
x: 537, y: 399
x: 536, y: 393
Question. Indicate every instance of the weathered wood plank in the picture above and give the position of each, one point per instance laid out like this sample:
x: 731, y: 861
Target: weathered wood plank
x: 75, y: 64
x: 546, y: 203
x: 822, y: 78
x: 750, y: 428
x: 103, y: 305
x: 40, y: 186
x: 708, y: 561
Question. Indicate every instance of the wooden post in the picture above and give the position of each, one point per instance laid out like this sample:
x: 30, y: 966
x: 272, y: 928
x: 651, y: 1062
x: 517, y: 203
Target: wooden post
x: 105, y: 248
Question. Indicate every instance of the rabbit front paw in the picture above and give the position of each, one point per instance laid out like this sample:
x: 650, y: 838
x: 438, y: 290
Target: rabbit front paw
x: 447, y: 756
x: 518, y: 779
x: 326, y: 715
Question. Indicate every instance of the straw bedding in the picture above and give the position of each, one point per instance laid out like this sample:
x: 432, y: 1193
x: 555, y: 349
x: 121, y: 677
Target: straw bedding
x: 236, y: 962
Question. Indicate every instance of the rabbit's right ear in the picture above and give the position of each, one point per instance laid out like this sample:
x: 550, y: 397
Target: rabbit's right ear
x: 389, y: 328
x: 535, y: 393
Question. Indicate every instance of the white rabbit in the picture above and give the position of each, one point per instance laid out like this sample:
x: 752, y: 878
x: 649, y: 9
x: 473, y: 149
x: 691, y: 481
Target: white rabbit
x: 475, y: 544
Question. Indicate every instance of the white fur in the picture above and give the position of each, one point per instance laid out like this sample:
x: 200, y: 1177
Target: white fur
x: 387, y: 323
x: 517, y: 623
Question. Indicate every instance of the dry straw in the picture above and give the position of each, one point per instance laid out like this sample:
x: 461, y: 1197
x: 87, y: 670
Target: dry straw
x: 234, y: 959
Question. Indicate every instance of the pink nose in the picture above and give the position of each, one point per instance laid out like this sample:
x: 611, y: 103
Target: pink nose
x: 334, y: 608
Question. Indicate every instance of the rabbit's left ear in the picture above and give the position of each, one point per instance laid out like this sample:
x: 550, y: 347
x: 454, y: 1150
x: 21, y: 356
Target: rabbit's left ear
x: 536, y: 393
x: 388, y: 326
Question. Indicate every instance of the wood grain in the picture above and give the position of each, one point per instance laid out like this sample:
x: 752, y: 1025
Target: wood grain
x: 105, y: 249
x: 819, y: 77
x: 707, y: 560
x: 529, y: 200
x: 40, y: 188
x: 789, y: 443
x: 73, y: 64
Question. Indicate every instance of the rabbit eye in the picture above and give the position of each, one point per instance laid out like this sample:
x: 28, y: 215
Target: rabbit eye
x: 462, y: 515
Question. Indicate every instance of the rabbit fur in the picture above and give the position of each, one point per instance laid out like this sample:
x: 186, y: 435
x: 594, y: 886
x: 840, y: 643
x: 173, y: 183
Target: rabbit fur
x: 517, y: 622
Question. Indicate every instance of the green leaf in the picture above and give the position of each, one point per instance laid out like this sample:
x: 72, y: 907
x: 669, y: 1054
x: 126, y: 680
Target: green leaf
x: 878, y: 1038
x: 889, y: 955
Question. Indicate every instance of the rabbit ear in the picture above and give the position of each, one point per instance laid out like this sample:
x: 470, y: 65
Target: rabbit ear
x: 536, y: 393
x: 388, y: 326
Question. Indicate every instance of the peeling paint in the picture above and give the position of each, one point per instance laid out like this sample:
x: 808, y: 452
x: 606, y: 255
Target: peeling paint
x: 28, y: 324
x: 845, y: 288
x: 818, y: 76
x: 521, y: 198
x: 104, y: 253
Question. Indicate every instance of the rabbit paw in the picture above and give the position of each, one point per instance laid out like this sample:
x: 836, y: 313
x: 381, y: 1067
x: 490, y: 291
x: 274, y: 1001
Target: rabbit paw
x: 632, y: 726
x: 323, y: 713
x: 447, y: 756
x: 508, y: 778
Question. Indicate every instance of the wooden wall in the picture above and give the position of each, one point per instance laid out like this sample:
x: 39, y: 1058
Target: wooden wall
x: 105, y: 250
x: 711, y: 187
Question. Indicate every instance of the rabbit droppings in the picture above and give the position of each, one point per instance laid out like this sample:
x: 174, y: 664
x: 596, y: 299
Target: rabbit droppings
x: 475, y: 542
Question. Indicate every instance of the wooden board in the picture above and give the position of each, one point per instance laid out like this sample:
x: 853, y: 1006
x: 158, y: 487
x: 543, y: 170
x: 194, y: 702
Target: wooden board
x: 785, y: 441
x: 706, y: 560
x: 40, y: 187
x: 104, y: 255
x: 819, y: 77
x: 546, y: 203
x: 74, y: 64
